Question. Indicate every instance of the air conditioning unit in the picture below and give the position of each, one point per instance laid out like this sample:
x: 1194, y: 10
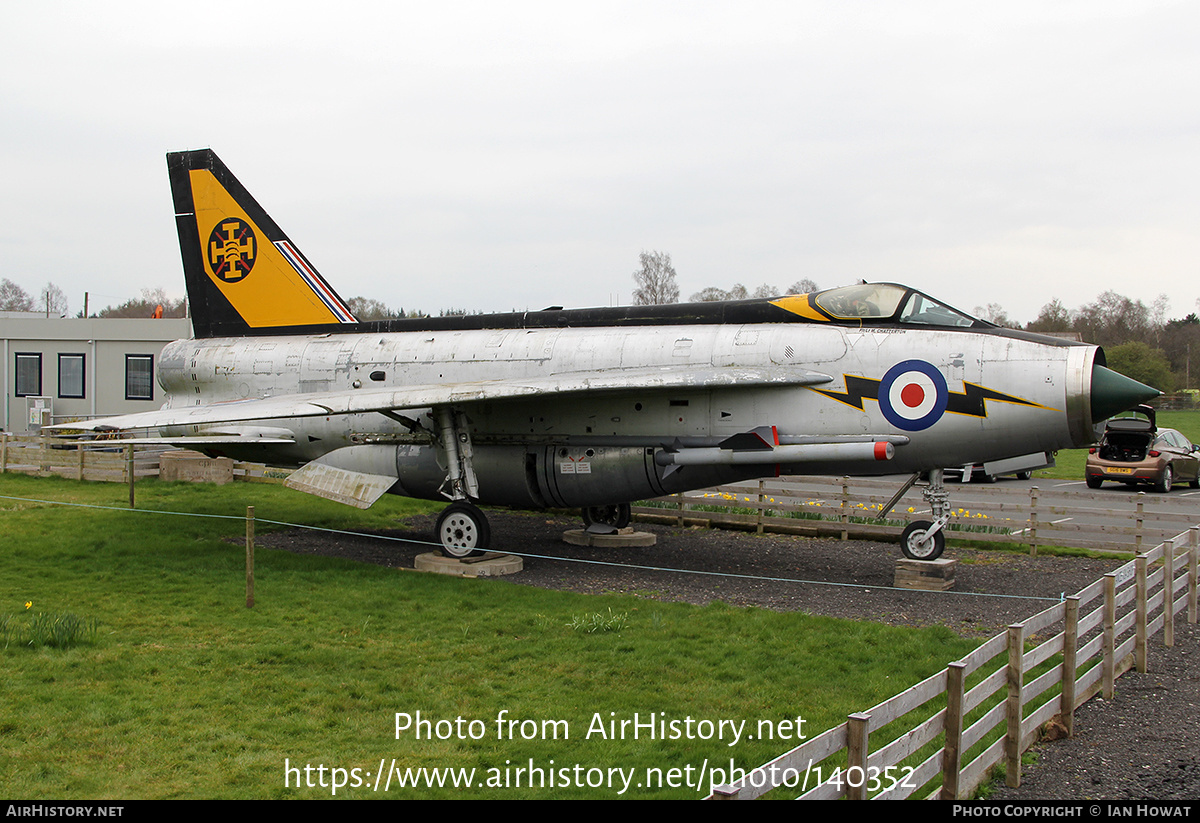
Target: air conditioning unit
x: 40, y: 412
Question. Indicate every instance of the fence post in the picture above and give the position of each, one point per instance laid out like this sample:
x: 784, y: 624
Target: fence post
x: 1070, y: 648
x: 857, y: 743
x: 1016, y: 688
x: 249, y: 557
x: 679, y: 497
x: 1110, y: 638
x: 1193, y: 552
x: 1140, y: 617
x: 845, y: 515
x: 1139, y: 521
x: 1169, y: 594
x: 44, y: 456
x: 760, y: 507
x: 1033, y: 520
x: 952, y: 749
x: 80, y: 452
x: 3, y: 452
x: 129, y: 472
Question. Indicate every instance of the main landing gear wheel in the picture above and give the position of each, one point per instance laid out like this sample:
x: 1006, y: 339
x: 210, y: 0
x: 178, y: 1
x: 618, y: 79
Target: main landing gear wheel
x: 913, y: 547
x: 463, y: 530
x: 616, y: 515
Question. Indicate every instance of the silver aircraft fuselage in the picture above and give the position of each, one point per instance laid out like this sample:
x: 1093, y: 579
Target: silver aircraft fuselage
x: 575, y: 439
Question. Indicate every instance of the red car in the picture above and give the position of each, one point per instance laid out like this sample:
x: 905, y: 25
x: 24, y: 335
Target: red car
x: 1136, y: 451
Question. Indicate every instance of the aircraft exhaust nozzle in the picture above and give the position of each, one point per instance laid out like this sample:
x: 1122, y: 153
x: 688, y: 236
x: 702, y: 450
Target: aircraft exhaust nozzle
x: 1113, y: 393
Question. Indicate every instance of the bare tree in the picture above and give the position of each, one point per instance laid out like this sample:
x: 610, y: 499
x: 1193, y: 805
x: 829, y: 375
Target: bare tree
x: 994, y: 313
x: 803, y: 286
x: 766, y: 290
x: 1053, y: 317
x: 1113, y: 319
x: 53, y: 300
x: 147, y: 306
x: 710, y: 295
x: 13, y: 297
x: 368, y: 308
x: 655, y: 280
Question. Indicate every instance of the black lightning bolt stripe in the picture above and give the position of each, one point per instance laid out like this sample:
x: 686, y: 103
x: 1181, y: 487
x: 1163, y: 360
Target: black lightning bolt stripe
x: 857, y: 390
x: 970, y: 401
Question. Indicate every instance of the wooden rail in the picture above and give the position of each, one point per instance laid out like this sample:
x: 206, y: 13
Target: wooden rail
x: 988, y: 707
x: 95, y: 460
x: 101, y: 460
x: 848, y: 508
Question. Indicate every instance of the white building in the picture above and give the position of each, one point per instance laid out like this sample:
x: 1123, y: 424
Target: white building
x: 63, y: 369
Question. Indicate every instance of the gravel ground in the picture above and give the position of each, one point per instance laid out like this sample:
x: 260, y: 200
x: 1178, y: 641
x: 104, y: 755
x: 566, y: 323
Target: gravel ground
x: 1141, y: 744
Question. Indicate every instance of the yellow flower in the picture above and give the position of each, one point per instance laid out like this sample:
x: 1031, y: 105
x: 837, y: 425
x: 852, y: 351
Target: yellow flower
x: 29, y: 604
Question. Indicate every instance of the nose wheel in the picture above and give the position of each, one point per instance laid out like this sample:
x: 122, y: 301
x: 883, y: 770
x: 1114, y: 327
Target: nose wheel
x: 923, y: 539
x: 463, y: 530
x: 918, y: 544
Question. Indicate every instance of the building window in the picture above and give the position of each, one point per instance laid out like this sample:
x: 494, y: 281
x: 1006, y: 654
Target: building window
x: 139, y: 377
x: 70, y: 375
x: 29, y: 375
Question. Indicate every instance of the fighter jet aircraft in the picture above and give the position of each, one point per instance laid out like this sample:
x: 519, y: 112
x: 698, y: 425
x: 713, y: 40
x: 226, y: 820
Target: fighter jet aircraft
x: 591, y: 408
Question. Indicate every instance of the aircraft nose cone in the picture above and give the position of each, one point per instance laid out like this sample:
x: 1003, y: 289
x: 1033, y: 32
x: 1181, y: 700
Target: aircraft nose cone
x: 1113, y: 392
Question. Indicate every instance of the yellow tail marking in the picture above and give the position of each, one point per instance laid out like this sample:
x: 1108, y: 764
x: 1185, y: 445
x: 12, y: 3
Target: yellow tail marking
x: 253, y: 275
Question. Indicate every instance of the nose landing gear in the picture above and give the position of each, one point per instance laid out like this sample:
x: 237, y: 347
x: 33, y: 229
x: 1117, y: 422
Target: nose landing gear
x: 922, y: 539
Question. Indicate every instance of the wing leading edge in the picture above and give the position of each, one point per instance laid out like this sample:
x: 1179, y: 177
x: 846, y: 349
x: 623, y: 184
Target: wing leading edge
x: 321, y: 404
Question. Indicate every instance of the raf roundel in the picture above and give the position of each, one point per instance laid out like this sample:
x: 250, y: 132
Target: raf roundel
x: 913, y: 395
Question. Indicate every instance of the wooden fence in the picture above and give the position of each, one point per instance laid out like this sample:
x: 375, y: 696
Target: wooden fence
x: 848, y: 508
x: 987, y: 708
x: 102, y: 460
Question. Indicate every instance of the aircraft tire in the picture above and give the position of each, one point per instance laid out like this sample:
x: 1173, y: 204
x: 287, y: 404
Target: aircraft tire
x: 617, y: 515
x: 910, y: 542
x: 463, y: 531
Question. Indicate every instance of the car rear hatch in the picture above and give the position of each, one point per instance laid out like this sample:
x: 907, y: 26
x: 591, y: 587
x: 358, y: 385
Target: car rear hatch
x: 1128, y: 439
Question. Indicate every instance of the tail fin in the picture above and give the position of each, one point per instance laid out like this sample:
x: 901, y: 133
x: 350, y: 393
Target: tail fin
x: 244, y: 276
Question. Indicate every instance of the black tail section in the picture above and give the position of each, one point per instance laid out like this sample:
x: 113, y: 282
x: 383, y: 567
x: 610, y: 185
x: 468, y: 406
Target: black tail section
x: 244, y: 275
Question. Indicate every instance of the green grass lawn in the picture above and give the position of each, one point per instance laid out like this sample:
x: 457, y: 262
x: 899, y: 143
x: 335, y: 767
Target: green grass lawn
x: 1069, y: 463
x: 185, y: 693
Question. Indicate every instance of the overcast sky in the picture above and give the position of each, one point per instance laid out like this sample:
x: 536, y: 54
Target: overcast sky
x: 514, y: 155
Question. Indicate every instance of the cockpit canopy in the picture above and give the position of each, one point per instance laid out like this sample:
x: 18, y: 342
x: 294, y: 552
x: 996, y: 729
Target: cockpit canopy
x: 888, y: 302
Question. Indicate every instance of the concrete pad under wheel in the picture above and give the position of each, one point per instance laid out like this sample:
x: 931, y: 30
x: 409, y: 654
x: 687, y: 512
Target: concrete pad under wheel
x: 489, y: 564
x: 621, y: 538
